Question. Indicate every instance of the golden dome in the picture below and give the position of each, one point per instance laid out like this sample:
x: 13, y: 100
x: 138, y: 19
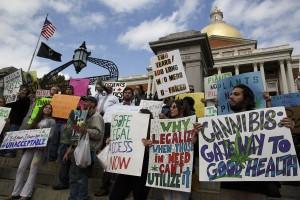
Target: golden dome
x: 219, y: 27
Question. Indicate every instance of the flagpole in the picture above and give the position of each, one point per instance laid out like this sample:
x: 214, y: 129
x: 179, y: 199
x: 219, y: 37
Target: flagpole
x: 37, y: 44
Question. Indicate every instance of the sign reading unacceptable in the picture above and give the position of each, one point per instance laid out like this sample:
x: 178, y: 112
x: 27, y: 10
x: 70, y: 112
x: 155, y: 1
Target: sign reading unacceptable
x: 247, y: 146
x: 252, y: 80
x: 153, y: 106
x: 12, y: 83
x: 171, y: 156
x: 63, y: 105
x: 210, y: 84
x: 169, y: 74
x: 126, y: 150
x: 26, y: 139
x: 286, y: 100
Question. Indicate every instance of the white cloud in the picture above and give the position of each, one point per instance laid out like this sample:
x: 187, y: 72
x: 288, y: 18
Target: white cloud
x: 126, y: 5
x: 271, y: 22
x: 87, y: 22
x: 139, y: 36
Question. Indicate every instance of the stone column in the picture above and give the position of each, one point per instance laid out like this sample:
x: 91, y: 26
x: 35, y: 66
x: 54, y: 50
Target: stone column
x: 153, y: 88
x: 149, y: 86
x: 255, y: 67
x: 262, y: 72
x: 236, y: 68
x: 290, y: 76
x: 283, y: 77
x: 219, y: 70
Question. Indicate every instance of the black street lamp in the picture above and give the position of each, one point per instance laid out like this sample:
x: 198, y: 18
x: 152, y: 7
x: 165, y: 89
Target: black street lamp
x: 80, y: 58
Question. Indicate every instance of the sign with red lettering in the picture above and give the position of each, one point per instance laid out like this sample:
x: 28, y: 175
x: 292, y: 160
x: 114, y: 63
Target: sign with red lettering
x: 126, y: 150
x: 171, y: 156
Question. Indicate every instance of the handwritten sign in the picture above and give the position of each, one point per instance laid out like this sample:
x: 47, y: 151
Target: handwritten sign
x: 153, y: 106
x: 171, y: 156
x: 247, y: 146
x: 4, y: 113
x: 210, y: 84
x: 12, y: 83
x: 126, y: 150
x: 118, y: 88
x: 119, y: 108
x: 252, y: 80
x: 80, y: 86
x: 210, y: 111
x: 63, y: 105
x: 169, y: 74
x: 26, y: 139
x: 199, y: 105
x: 42, y: 93
x: 287, y: 100
x: 38, y: 104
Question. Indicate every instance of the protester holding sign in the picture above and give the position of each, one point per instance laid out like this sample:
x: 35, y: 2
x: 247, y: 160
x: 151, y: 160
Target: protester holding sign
x: 32, y: 157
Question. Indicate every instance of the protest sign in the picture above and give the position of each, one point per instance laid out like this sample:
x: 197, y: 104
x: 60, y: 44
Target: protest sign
x: 210, y: 111
x: 30, y: 78
x: 198, y: 99
x: 38, y: 104
x: 294, y: 114
x: 63, y: 105
x: 210, y: 84
x: 286, y: 100
x: 118, y: 88
x: 26, y: 139
x: 42, y: 93
x: 12, y: 83
x: 153, y: 106
x: 80, y: 86
x: 171, y: 156
x: 252, y: 80
x: 126, y: 150
x: 247, y: 146
x: 119, y: 108
x: 4, y: 114
x: 169, y: 74
x: 75, y: 121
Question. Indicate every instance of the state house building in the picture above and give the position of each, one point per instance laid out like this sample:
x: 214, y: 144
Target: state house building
x: 219, y: 48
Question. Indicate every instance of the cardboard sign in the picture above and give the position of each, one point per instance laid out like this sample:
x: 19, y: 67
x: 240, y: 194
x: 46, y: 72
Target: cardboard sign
x: 42, y: 93
x: 153, y: 106
x: 118, y: 88
x: 116, y: 108
x: 247, y: 146
x: 210, y: 84
x: 199, y: 105
x: 171, y: 156
x: 38, y: 104
x: 169, y: 74
x: 75, y: 121
x: 287, y: 100
x: 12, y: 83
x: 63, y: 105
x: 210, y: 111
x: 26, y: 139
x: 4, y: 114
x: 126, y: 150
x: 80, y: 86
x: 294, y: 114
x: 252, y: 80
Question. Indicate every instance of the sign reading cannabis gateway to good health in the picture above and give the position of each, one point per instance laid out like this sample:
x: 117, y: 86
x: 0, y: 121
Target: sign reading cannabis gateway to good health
x: 171, y: 156
x: 169, y: 74
x: 247, y: 146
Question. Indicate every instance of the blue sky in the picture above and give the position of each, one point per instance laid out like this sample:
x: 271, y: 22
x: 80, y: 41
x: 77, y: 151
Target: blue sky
x: 120, y: 30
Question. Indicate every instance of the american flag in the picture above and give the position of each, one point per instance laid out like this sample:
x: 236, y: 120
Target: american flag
x: 48, y: 29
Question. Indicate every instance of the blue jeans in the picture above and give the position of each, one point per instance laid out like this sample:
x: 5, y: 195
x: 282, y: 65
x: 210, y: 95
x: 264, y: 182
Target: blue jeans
x: 54, y: 141
x: 64, y: 166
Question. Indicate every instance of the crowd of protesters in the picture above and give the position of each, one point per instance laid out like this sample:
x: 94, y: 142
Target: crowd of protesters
x: 61, y: 145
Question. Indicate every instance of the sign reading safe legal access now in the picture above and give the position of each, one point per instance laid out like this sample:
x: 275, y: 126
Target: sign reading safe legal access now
x: 169, y: 74
x: 247, y: 146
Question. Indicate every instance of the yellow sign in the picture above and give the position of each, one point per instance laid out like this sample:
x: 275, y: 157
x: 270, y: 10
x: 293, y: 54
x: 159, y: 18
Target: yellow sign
x: 63, y: 105
x: 198, y: 98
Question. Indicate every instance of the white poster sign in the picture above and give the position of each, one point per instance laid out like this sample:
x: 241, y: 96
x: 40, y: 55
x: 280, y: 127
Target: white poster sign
x: 210, y: 84
x: 4, y: 114
x: 12, y: 83
x: 154, y: 106
x: 42, y: 93
x: 107, y: 117
x: 118, y: 88
x: 210, y: 111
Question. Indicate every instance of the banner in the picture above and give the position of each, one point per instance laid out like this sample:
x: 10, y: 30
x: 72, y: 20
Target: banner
x: 210, y: 84
x: 171, y: 156
x: 286, y: 100
x: 294, y: 114
x: 118, y: 88
x: 42, y: 93
x: 63, y: 105
x: 80, y: 86
x: 126, y: 150
x: 153, y: 106
x: 26, y: 139
x: 4, y: 114
x: 12, y: 83
x: 169, y: 74
x: 38, y: 104
x: 252, y: 80
x: 210, y: 111
x: 107, y: 117
x: 198, y: 98
x: 247, y: 146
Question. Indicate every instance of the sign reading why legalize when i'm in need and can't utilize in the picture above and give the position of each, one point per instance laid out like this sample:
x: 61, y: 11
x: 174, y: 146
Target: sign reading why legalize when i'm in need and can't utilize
x: 247, y: 146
